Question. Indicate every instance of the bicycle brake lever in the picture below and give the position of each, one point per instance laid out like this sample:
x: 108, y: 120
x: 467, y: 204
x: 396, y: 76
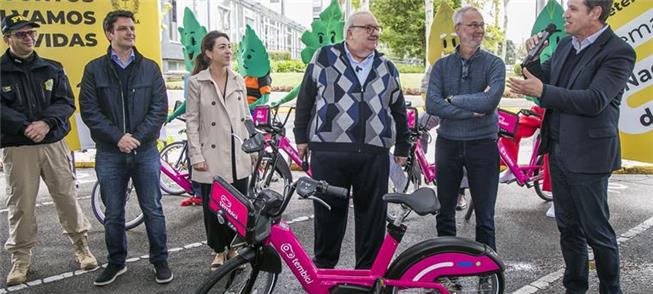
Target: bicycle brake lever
x: 320, y: 201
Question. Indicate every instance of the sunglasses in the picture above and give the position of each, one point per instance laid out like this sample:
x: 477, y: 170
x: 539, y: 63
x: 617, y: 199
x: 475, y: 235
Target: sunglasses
x: 24, y: 34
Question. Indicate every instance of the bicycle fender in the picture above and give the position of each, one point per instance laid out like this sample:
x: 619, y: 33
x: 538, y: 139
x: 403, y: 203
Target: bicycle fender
x: 420, y: 250
x: 271, y: 260
x: 283, y: 168
x: 268, y: 259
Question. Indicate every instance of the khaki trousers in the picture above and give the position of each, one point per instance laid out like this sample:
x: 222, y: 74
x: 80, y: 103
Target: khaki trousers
x: 24, y: 166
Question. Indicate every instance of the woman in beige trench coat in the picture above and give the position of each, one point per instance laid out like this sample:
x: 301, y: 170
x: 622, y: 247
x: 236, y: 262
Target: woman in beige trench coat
x: 216, y: 109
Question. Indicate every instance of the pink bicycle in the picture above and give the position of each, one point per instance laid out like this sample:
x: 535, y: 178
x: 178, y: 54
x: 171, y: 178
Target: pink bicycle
x: 445, y: 264
x: 271, y: 165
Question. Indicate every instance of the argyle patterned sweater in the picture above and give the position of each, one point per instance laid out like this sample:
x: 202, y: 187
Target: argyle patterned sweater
x: 336, y: 113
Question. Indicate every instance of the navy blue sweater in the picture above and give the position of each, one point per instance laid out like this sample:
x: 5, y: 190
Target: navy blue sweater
x: 470, y: 94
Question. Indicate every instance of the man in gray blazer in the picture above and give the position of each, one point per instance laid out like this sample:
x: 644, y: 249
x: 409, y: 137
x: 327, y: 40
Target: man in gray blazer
x: 581, y: 87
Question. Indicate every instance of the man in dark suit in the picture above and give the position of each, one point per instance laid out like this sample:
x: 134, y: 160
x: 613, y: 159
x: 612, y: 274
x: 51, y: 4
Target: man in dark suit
x: 581, y: 87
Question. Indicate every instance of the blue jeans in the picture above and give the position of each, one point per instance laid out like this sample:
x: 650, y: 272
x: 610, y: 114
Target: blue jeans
x: 481, y: 159
x: 583, y: 217
x: 114, y: 171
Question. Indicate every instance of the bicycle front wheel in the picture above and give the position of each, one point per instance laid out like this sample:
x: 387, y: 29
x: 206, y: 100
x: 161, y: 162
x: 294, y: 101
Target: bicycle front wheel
x: 537, y: 185
x: 175, y: 156
x: 133, y: 213
x: 237, y: 276
x: 265, y: 174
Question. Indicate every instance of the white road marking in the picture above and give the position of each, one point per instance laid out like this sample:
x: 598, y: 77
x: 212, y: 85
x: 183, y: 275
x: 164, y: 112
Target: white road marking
x: 546, y: 281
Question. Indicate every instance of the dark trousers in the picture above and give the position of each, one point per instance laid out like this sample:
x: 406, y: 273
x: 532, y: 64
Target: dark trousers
x: 367, y: 175
x: 218, y: 236
x: 582, y: 215
x: 113, y: 172
x: 481, y: 159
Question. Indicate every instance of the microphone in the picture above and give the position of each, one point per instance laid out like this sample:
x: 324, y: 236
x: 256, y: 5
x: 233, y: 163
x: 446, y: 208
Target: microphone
x: 358, y: 68
x: 534, y: 53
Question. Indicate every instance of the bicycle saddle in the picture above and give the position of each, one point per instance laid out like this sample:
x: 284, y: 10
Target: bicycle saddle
x: 423, y: 201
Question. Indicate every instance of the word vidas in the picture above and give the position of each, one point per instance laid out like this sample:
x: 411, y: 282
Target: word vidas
x: 58, y: 40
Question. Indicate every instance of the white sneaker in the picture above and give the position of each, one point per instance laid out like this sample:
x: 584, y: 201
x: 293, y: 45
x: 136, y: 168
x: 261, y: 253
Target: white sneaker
x: 551, y: 212
x: 506, y: 176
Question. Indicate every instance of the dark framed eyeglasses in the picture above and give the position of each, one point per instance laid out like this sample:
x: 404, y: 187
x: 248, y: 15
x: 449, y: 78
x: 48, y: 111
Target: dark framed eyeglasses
x: 475, y: 25
x: 24, y: 34
x: 369, y: 28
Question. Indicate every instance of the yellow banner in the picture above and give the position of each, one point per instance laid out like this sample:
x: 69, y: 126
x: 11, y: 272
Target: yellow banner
x: 633, y: 22
x: 71, y: 33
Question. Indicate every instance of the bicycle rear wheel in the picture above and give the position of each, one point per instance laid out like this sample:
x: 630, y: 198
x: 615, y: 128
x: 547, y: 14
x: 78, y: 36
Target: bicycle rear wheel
x: 537, y: 185
x: 133, y: 213
x: 175, y: 156
x: 231, y: 277
x: 470, y: 267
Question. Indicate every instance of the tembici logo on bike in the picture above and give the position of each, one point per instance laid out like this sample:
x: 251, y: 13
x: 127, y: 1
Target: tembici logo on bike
x: 287, y: 249
x: 225, y: 204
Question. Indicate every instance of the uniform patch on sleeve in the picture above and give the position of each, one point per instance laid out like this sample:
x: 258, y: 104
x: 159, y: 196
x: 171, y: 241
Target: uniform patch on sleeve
x: 6, y: 89
x: 48, y: 84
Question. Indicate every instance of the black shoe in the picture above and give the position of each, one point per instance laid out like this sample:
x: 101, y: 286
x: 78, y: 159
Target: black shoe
x: 109, y: 274
x: 163, y: 273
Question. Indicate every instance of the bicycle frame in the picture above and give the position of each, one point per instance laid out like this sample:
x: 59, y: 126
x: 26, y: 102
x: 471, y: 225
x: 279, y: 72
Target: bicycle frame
x: 276, y: 129
x: 319, y: 281
x: 428, y: 169
x: 182, y: 179
x: 524, y: 174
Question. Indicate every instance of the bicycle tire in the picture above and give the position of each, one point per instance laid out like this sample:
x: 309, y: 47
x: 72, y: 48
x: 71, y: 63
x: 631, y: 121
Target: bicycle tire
x: 262, y: 179
x: 417, y: 259
x: 98, y: 206
x: 176, y: 162
x: 546, y: 196
x: 231, y: 277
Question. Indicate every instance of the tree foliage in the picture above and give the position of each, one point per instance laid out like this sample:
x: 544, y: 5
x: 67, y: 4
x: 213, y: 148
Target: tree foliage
x: 403, y: 25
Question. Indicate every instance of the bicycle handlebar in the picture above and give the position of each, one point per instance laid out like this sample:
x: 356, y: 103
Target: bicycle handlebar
x: 307, y: 187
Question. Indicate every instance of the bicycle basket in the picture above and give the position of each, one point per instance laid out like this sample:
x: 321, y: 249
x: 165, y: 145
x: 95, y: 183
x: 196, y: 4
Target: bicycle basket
x: 261, y: 116
x: 237, y: 209
x: 508, y: 122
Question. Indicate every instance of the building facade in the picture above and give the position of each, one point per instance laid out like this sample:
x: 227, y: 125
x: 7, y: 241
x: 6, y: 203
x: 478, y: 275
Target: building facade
x: 277, y: 32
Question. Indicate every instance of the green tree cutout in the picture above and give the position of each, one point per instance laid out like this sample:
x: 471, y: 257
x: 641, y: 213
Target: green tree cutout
x: 253, y: 62
x: 325, y: 31
x: 191, y: 40
x: 552, y: 13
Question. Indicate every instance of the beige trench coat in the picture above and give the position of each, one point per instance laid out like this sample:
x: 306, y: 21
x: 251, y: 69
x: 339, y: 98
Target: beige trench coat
x: 209, y: 121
